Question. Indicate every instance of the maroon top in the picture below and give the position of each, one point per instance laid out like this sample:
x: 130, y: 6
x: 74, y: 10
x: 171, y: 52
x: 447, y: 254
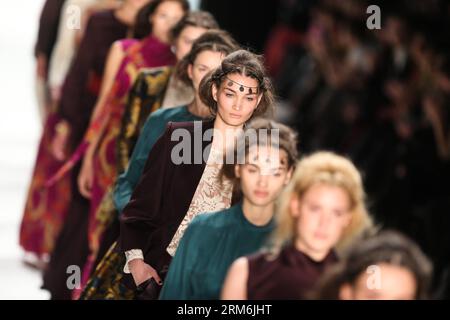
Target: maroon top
x: 289, y: 276
x: 82, y: 85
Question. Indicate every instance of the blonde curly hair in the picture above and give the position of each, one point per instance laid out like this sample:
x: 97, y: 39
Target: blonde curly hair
x: 329, y: 169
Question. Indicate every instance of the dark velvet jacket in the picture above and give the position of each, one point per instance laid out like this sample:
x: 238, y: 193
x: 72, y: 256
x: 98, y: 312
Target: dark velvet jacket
x: 163, y: 195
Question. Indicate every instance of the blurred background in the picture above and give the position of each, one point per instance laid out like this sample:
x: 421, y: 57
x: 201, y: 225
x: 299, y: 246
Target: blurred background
x: 19, y: 134
x: 379, y: 96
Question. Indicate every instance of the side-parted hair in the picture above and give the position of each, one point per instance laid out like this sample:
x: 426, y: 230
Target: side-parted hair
x: 245, y: 63
x: 142, y: 27
x: 213, y: 40
x: 388, y: 247
x: 286, y: 140
x: 329, y: 169
x: 200, y: 19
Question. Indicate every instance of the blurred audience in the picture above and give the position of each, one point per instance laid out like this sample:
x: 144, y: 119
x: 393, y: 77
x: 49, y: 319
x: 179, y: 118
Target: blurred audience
x: 380, y: 97
x: 388, y: 266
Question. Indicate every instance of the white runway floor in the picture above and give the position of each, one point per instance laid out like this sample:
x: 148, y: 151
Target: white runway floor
x: 19, y: 134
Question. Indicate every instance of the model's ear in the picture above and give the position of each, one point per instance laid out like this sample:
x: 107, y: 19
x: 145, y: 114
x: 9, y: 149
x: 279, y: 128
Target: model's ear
x: 189, y: 71
x: 348, y: 220
x: 237, y: 170
x: 259, y: 100
x: 214, y: 91
x: 346, y: 292
x: 150, y: 19
x: 288, y: 176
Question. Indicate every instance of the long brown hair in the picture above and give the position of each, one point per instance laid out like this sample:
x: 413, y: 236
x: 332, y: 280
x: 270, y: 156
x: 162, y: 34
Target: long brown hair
x: 143, y: 27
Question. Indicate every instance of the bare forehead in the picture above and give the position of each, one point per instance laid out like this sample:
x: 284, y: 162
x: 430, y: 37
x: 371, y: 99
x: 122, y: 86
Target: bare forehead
x: 272, y: 156
x: 168, y: 6
x: 204, y: 56
x: 192, y: 32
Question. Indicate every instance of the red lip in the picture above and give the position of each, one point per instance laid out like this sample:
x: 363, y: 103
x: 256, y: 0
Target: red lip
x: 261, y: 194
x: 235, y: 116
x: 320, y: 236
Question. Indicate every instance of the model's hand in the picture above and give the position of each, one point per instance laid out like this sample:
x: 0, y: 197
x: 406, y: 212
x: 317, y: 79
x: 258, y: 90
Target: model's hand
x: 41, y: 66
x: 86, y: 177
x: 59, y: 142
x: 142, y: 272
x: 55, y: 93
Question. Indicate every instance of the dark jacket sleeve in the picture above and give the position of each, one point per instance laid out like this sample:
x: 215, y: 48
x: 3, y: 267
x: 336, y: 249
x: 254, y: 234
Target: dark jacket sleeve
x: 48, y: 27
x: 142, y: 215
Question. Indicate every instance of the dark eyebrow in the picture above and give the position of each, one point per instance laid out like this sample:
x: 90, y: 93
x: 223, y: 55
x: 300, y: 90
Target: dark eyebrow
x: 230, y: 89
x: 281, y: 167
x: 252, y: 164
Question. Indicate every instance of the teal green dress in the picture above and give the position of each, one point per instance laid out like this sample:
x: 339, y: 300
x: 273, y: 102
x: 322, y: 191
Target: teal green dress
x: 151, y: 131
x: 209, y: 246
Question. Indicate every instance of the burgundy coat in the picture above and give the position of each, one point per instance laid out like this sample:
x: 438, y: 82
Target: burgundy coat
x: 162, y: 197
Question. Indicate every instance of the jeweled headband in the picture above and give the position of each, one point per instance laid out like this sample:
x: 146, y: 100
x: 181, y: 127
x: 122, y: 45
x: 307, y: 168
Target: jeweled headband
x: 241, y: 87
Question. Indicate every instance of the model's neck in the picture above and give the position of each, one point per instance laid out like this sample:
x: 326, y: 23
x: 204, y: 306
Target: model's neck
x: 316, y: 255
x: 126, y: 13
x: 198, y: 108
x: 224, y: 134
x: 258, y: 215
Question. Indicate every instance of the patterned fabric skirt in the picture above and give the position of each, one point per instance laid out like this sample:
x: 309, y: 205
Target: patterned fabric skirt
x: 106, y: 282
x: 103, y: 219
x: 45, y: 207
